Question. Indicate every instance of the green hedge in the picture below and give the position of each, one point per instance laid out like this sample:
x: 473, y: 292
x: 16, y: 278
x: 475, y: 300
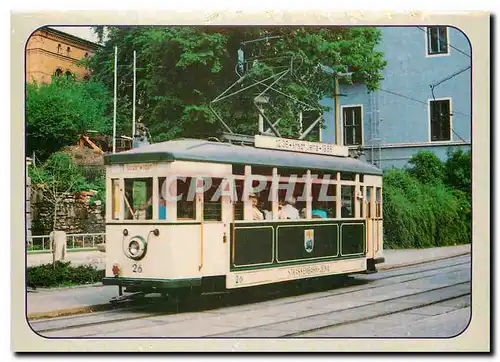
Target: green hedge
x: 421, y: 209
x: 62, y: 274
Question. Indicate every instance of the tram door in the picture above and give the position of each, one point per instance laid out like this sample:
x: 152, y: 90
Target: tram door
x: 371, y: 227
x: 373, y: 208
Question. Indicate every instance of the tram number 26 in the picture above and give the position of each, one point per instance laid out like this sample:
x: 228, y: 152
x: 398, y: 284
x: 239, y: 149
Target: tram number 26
x: 137, y: 268
x: 238, y: 279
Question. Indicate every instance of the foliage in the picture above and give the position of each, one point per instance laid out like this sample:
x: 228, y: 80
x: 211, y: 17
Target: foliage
x: 426, y: 167
x: 180, y: 70
x: 421, y: 215
x: 58, y: 112
x: 58, y: 175
x: 457, y: 170
x: 98, y: 185
x: 62, y: 274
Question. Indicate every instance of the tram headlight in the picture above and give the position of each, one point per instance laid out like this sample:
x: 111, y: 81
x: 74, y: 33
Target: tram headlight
x: 135, y: 247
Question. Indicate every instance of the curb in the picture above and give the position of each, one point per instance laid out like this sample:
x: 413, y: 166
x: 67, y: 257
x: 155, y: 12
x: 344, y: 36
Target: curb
x: 57, y: 289
x: 388, y: 267
x: 69, y: 311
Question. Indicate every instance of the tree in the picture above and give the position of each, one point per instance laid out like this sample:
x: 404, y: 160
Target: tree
x: 180, y: 70
x: 57, y: 178
x: 426, y: 167
x: 58, y: 112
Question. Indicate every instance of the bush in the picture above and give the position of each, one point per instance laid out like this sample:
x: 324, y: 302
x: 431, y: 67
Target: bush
x: 457, y: 170
x: 422, y: 215
x: 62, y: 274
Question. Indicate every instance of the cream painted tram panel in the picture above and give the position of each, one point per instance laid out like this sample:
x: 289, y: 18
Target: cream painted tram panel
x: 175, y: 253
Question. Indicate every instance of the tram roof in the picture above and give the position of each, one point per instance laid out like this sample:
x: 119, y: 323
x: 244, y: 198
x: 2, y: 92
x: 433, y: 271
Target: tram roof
x: 207, y: 151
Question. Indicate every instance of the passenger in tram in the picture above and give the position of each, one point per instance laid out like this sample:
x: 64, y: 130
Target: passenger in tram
x: 256, y: 213
x: 162, y: 210
x: 345, y: 210
x: 319, y: 211
x: 268, y: 215
x: 289, y: 211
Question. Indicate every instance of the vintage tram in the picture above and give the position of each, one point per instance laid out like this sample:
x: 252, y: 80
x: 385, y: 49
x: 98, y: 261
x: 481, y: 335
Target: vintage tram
x: 213, y: 216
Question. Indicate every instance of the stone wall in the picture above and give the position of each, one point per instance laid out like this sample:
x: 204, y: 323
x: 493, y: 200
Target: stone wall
x: 75, y: 215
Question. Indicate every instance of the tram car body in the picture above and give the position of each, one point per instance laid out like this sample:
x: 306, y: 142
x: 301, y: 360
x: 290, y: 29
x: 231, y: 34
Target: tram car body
x: 214, y: 242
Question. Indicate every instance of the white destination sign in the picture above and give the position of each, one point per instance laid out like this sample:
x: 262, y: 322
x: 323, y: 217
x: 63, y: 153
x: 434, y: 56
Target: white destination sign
x: 286, y: 144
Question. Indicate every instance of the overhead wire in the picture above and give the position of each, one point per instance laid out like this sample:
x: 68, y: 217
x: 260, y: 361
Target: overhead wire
x: 426, y: 104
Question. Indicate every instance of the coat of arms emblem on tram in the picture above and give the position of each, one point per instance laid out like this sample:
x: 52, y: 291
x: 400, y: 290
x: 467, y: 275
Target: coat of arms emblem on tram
x: 309, y: 240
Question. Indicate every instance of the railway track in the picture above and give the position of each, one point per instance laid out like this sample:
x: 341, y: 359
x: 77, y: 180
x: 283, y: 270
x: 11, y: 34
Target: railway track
x: 293, y: 312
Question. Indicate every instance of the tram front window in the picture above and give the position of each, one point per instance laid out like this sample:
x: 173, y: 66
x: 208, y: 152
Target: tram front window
x: 212, y: 201
x: 186, y: 196
x: 138, y: 199
x: 162, y: 195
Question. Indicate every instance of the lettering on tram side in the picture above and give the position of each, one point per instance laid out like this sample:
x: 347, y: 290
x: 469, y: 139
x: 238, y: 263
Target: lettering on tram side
x: 308, y: 270
x: 138, y: 167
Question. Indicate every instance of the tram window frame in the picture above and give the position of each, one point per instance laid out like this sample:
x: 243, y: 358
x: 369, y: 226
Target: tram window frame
x: 238, y: 169
x: 368, y: 201
x: 264, y: 199
x: 262, y: 170
x: 208, y: 200
x: 352, y: 198
x: 347, y: 176
x: 378, y: 202
x: 286, y: 172
x: 238, y: 201
x: 146, y: 206
x: 161, y: 197
x: 116, y: 194
x: 317, y: 190
x: 284, y: 194
x: 191, y: 192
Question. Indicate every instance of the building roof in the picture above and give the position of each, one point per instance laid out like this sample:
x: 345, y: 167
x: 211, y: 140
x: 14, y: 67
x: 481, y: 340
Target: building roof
x: 70, y: 38
x: 206, y: 151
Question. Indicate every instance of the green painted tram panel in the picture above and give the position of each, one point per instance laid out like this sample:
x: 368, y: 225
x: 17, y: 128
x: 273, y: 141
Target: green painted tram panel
x: 303, y: 242
x: 353, y: 238
x: 253, y: 245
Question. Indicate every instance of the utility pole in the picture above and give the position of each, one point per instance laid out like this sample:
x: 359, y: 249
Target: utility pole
x: 133, y: 101
x: 336, y: 103
x: 336, y: 89
x: 114, y: 110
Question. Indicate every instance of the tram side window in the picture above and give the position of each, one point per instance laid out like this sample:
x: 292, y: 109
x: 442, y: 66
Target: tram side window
x: 138, y: 199
x: 238, y: 204
x: 186, y: 195
x: 324, y: 201
x: 212, y: 201
x: 264, y: 201
x: 292, y: 200
x: 115, y: 199
x: 378, y: 201
x: 348, y: 199
x: 348, y: 176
